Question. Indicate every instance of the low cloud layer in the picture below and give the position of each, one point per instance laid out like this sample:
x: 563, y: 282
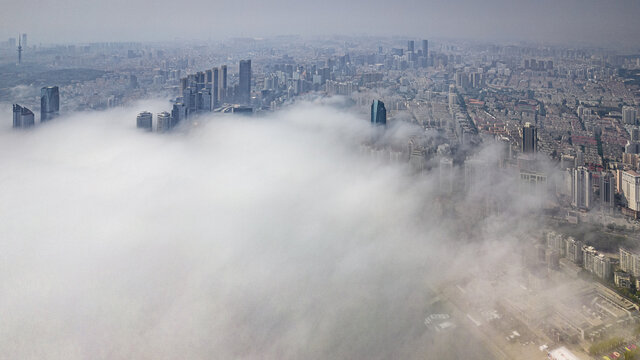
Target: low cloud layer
x: 271, y: 237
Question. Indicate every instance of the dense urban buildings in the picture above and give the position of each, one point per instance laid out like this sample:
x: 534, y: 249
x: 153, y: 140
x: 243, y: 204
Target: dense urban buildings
x: 560, y: 120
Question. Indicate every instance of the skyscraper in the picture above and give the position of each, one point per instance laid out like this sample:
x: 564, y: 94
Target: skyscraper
x: 378, y: 113
x: 178, y: 113
x: 215, y: 88
x: 209, y: 76
x: 410, y: 45
x: 425, y: 48
x: 22, y: 117
x: 24, y: 40
x: 631, y: 189
x: 49, y: 103
x: 223, y: 84
x: 245, y: 82
x: 607, y: 191
x: 581, y: 189
x: 163, y: 122
x: 529, y: 138
x: 145, y: 121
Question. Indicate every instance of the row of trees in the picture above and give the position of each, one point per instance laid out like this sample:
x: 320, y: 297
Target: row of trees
x: 605, y: 345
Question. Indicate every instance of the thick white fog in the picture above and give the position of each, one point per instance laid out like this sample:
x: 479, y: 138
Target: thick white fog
x: 270, y: 237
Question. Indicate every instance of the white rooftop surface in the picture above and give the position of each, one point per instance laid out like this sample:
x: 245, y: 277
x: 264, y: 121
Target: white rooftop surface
x: 562, y: 353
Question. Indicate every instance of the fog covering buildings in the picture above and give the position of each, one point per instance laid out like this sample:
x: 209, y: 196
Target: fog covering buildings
x: 276, y: 237
x: 144, y: 121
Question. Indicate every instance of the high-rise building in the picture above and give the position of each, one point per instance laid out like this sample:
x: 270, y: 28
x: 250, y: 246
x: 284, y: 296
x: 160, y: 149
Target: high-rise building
x: 203, y: 100
x: 24, y: 40
x: 628, y: 115
x: 22, y: 117
x: 529, y: 138
x: 378, y: 113
x: 630, y: 262
x: 573, y: 250
x: 163, y: 122
x: 215, y: 88
x: 581, y: 189
x: 631, y: 189
x: 145, y: 121
x: 223, y: 84
x: 555, y: 241
x: 49, y: 103
x: 607, y: 191
x: 596, y: 263
x: 209, y: 76
x: 425, y: 48
x: 410, y: 46
x: 245, y: 82
x: 178, y: 113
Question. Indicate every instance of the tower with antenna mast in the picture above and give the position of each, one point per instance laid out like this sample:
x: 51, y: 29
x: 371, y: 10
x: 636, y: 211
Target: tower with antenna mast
x: 19, y: 49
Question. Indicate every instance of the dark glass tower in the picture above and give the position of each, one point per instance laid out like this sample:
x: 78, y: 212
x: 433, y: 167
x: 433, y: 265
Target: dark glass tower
x: 223, y: 84
x: 215, y: 88
x: 378, y: 113
x: 49, y: 103
x: 529, y: 138
x: 245, y: 82
x: 410, y: 46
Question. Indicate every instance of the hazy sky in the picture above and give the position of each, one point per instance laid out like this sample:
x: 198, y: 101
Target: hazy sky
x: 243, y: 238
x: 604, y: 22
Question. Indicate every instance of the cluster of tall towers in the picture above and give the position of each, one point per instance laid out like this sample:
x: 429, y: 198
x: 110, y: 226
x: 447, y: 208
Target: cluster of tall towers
x: 421, y: 56
x: 209, y: 90
x: 203, y: 91
x: 49, y: 109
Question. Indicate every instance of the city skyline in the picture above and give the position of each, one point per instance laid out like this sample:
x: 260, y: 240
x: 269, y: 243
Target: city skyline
x: 322, y: 197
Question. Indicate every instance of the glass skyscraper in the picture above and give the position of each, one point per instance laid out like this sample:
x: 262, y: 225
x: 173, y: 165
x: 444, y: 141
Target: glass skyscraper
x: 145, y: 121
x: 22, y: 117
x: 378, y: 113
x: 49, y: 103
x: 245, y: 82
x: 223, y: 84
x: 529, y: 138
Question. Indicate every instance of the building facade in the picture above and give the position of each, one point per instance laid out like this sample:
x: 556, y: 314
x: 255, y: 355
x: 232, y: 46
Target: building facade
x: 378, y: 113
x: 49, y: 103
